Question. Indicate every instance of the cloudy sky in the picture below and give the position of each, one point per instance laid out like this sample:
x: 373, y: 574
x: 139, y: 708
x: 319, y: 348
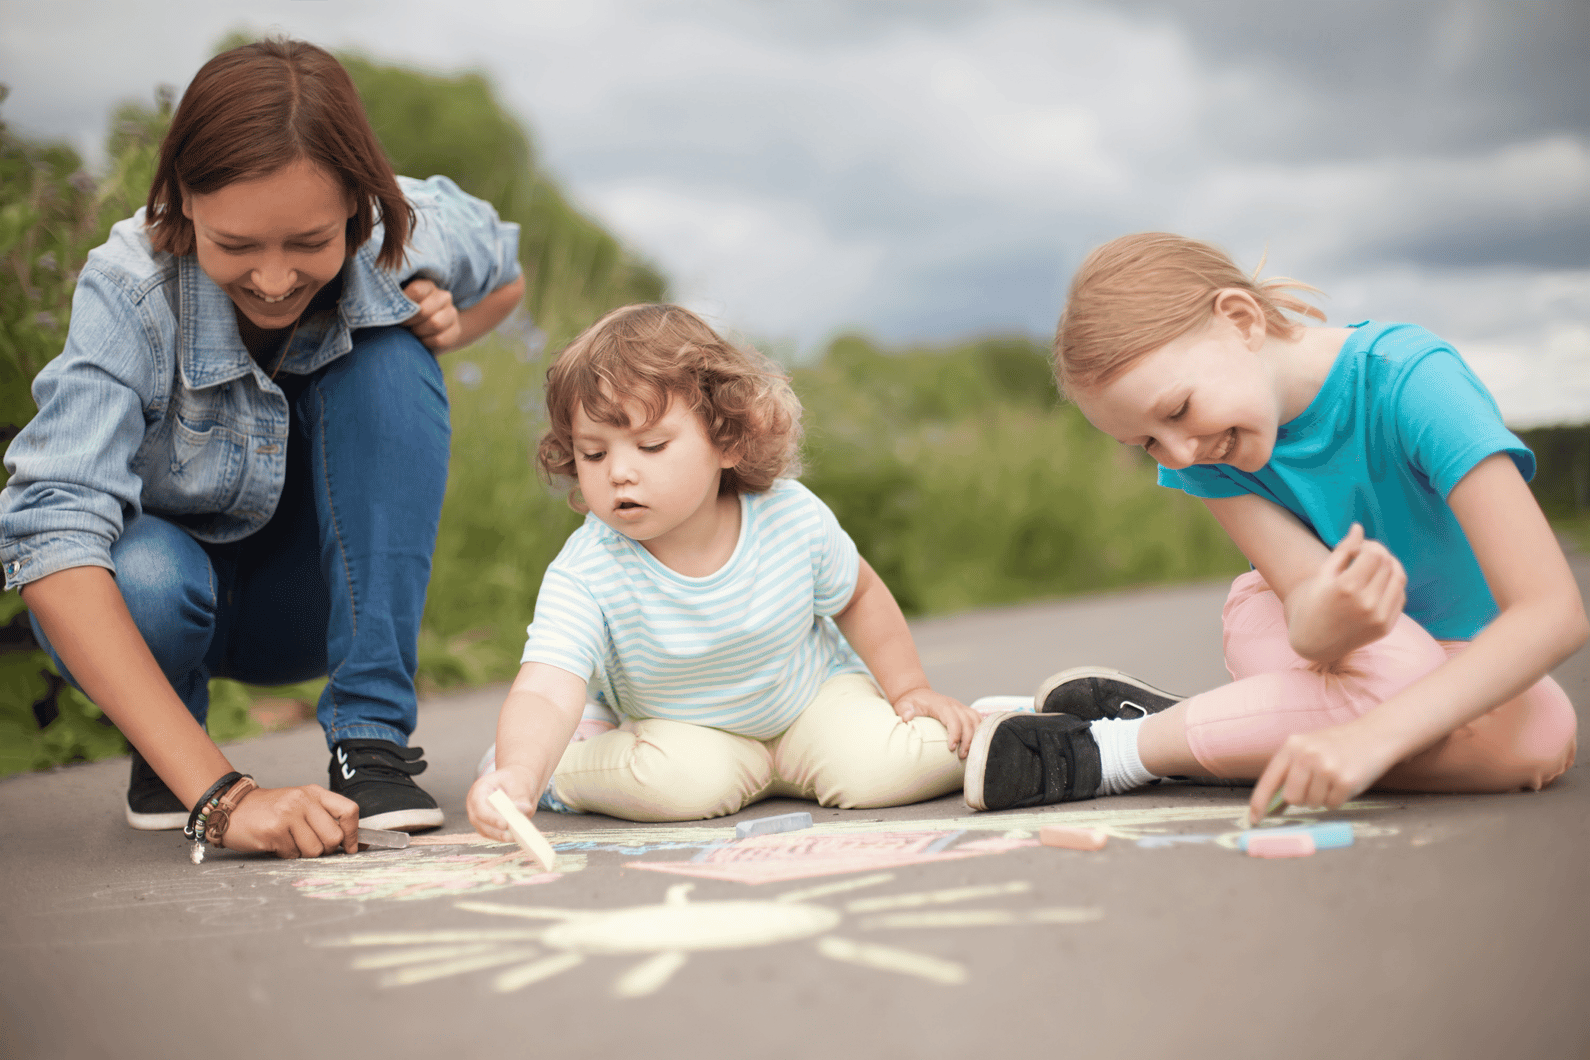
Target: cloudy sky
x: 926, y: 171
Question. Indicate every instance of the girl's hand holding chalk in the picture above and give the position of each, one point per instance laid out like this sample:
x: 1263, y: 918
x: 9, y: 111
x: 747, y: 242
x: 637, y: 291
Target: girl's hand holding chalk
x: 1324, y: 768
x: 1354, y: 598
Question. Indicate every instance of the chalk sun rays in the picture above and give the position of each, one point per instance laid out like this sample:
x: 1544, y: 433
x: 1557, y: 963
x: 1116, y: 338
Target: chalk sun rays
x: 664, y: 935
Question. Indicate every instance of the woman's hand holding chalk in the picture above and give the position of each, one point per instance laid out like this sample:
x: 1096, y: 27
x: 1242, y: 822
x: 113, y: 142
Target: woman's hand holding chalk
x: 304, y: 822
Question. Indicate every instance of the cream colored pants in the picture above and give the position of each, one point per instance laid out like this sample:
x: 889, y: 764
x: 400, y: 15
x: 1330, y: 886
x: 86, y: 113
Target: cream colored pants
x: 848, y: 749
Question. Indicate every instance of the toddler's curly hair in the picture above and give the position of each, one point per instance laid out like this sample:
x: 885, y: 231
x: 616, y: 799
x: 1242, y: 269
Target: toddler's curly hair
x: 651, y: 354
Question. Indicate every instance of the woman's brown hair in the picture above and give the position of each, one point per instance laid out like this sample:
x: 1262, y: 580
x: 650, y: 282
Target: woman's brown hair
x: 651, y: 354
x: 1136, y: 293
x: 252, y: 110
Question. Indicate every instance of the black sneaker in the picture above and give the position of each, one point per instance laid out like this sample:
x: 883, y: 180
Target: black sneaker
x: 151, y: 807
x: 1019, y: 759
x: 377, y: 774
x: 1095, y: 692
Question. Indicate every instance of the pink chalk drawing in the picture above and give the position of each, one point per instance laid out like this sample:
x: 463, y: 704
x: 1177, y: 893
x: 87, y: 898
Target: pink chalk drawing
x: 461, y: 864
x: 797, y: 855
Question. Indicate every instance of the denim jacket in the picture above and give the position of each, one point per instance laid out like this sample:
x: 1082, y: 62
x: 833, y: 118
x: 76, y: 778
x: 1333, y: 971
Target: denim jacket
x: 155, y: 403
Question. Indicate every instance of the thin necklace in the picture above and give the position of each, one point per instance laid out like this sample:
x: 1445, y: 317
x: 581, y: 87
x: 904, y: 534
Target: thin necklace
x: 285, y: 347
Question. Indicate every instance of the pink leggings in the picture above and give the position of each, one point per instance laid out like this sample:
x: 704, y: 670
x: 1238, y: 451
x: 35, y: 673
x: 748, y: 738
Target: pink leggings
x: 1233, y: 730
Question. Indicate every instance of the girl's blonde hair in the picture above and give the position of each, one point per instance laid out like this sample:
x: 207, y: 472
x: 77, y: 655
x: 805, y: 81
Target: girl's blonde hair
x: 1136, y: 293
x: 652, y: 354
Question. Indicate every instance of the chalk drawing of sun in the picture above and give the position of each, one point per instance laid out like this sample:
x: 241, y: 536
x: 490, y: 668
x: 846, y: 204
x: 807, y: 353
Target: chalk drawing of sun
x: 664, y: 935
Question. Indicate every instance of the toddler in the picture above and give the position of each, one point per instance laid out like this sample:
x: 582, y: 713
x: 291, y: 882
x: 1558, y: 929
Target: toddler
x: 716, y: 606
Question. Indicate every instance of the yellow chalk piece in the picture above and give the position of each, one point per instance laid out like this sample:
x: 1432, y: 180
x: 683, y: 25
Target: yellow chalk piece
x: 1247, y: 820
x: 525, y: 834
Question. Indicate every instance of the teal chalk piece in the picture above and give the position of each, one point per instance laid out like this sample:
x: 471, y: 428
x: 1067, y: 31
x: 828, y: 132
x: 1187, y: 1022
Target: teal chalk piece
x: 1326, y: 836
x: 784, y: 822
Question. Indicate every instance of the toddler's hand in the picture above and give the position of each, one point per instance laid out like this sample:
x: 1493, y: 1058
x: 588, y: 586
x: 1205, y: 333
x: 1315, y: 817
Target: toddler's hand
x: 959, y: 720
x: 487, y: 821
x: 1324, y: 768
x: 1354, y: 599
x: 436, y: 324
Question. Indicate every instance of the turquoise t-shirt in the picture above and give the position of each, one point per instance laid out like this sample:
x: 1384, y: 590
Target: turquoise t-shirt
x: 1398, y: 422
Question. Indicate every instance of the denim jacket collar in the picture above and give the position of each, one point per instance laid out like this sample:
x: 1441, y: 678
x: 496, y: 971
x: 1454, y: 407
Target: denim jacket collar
x: 210, y: 350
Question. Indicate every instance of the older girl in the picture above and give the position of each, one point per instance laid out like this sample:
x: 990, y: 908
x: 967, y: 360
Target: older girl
x: 239, y: 458
x: 1407, y: 597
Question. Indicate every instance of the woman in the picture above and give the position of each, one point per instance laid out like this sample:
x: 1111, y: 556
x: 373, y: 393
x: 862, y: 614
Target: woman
x: 239, y: 458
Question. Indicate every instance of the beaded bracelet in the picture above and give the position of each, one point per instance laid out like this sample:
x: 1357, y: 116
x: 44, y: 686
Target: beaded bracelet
x: 201, y: 813
x: 220, y: 816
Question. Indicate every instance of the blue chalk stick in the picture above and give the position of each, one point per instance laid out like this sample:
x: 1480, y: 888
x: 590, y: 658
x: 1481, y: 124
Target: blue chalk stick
x: 784, y: 822
x: 1326, y: 836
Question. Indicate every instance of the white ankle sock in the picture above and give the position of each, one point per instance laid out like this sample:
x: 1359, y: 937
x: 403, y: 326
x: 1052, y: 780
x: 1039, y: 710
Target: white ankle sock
x: 1123, y: 769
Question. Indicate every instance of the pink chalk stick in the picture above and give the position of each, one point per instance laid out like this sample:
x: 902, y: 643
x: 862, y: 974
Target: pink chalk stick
x: 1281, y: 845
x: 1059, y: 835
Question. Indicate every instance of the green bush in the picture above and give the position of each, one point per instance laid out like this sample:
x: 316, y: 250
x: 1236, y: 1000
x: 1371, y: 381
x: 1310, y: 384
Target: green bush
x: 52, y: 212
x: 1562, y: 478
x: 960, y: 475
x: 966, y: 483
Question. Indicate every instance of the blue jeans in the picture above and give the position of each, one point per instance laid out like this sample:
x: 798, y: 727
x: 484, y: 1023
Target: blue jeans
x: 335, y: 583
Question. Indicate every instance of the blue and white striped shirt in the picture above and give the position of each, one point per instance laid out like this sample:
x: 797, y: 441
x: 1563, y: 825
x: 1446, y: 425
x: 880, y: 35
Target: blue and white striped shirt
x: 743, y: 649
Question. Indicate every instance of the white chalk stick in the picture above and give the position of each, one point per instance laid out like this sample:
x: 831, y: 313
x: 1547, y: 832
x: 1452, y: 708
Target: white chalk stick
x: 383, y: 838
x: 530, y: 840
x: 784, y: 822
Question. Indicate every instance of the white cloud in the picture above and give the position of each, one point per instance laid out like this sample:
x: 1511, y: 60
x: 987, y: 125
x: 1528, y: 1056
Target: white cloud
x: 764, y: 265
x: 930, y: 171
x: 1538, y: 385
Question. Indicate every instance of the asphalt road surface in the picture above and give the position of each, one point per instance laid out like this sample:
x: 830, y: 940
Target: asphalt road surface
x: 1454, y: 927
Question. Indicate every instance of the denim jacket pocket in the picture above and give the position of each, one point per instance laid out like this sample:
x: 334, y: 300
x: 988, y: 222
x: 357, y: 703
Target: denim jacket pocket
x: 189, y: 471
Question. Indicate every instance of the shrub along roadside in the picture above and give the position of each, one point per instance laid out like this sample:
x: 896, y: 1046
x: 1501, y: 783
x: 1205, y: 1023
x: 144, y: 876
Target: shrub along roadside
x: 52, y: 213
x: 956, y: 470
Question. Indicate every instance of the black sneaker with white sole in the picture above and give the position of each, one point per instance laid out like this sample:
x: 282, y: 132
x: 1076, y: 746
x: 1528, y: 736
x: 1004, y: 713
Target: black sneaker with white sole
x: 379, y: 776
x: 1095, y: 692
x: 151, y: 807
x: 1019, y: 759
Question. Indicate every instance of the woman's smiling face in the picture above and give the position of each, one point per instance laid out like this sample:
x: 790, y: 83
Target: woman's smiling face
x: 274, y: 241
